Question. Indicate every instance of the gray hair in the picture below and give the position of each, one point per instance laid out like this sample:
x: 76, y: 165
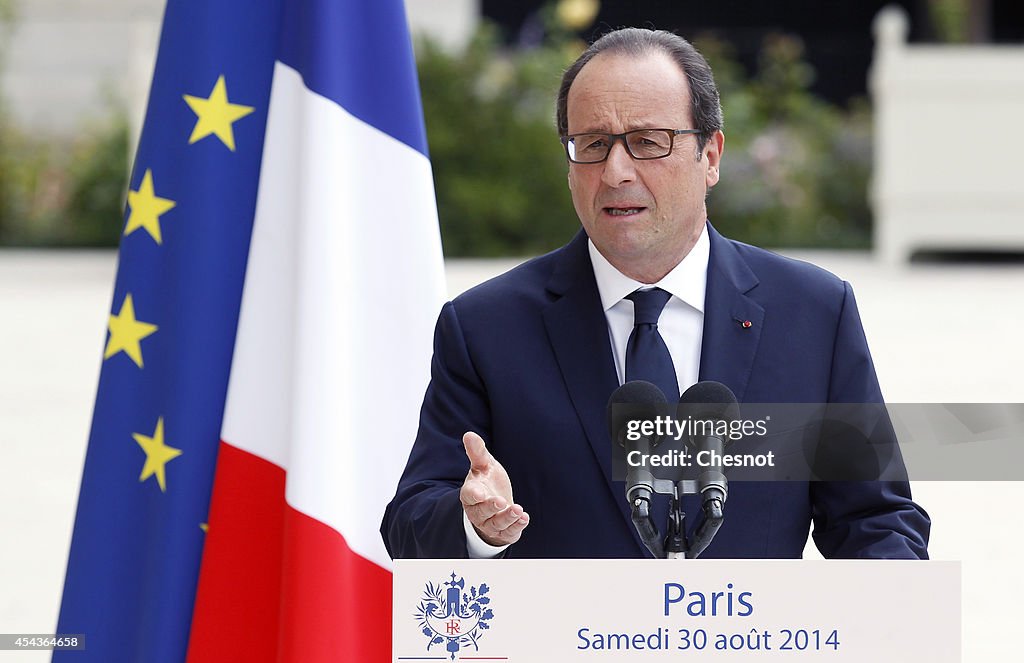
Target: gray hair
x: 705, y: 106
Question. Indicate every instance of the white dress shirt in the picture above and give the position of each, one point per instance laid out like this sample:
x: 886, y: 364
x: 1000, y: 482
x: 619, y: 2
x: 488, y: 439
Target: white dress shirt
x: 682, y: 321
x: 681, y: 325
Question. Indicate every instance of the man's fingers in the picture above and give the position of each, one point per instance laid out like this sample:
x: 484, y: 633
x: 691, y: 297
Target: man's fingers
x: 505, y: 526
x: 479, y: 503
x: 506, y: 518
x: 476, y: 450
x: 474, y: 492
x: 479, y: 495
x: 514, y: 530
x: 481, y: 513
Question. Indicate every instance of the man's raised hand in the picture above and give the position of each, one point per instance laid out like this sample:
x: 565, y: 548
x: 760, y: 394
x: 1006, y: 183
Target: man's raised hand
x: 486, y: 496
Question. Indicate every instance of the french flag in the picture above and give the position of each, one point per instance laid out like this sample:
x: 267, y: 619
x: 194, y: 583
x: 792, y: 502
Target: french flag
x: 309, y: 248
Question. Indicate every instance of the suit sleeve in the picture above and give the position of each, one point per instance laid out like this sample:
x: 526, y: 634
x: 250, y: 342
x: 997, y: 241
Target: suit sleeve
x: 424, y: 520
x: 864, y: 519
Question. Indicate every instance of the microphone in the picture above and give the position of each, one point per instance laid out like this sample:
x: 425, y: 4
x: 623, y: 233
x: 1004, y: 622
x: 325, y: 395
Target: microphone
x: 706, y: 405
x: 638, y: 401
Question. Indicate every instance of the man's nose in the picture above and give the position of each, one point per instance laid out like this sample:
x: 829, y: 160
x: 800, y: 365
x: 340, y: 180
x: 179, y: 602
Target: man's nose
x: 619, y: 167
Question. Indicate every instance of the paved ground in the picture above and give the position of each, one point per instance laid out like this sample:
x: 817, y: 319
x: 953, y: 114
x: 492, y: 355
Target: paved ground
x: 939, y: 333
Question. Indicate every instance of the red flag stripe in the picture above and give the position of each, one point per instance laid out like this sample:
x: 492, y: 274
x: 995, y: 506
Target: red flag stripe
x: 277, y: 585
x: 336, y: 605
x: 236, y: 610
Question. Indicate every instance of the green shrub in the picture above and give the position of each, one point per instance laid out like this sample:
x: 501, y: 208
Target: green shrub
x: 795, y: 171
x: 30, y: 182
x: 98, y: 184
x: 59, y: 191
x: 499, y: 172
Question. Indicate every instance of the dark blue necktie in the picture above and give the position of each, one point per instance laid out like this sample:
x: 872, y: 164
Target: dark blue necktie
x: 647, y: 356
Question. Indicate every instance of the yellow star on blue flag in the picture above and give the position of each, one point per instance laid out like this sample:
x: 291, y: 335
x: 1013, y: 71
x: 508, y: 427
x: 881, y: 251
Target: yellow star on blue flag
x: 127, y: 332
x: 215, y: 115
x: 158, y: 455
x: 145, y: 209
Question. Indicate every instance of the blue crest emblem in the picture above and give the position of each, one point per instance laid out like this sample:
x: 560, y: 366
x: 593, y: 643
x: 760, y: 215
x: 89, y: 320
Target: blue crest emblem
x: 453, y: 615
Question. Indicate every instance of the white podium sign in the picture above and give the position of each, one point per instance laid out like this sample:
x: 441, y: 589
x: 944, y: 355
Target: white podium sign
x: 540, y: 611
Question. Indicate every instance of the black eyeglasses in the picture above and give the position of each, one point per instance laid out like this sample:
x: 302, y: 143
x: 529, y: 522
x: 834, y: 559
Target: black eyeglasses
x: 640, y: 143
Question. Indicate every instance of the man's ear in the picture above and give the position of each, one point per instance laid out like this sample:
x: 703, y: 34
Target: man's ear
x: 713, y: 150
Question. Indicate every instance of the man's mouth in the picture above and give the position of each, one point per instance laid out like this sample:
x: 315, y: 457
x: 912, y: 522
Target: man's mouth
x: 623, y: 211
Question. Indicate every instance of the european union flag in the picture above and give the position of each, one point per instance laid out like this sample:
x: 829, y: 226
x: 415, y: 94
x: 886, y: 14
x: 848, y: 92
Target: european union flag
x: 139, y: 530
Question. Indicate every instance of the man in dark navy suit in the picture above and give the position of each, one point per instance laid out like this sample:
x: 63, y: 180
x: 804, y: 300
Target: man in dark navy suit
x: 524, y: 364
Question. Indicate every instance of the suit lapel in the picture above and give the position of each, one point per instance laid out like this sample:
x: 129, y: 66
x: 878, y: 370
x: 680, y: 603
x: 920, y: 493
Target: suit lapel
x: 732, y: 320
x: 578, y: 332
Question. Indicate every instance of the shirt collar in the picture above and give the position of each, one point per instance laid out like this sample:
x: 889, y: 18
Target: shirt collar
x: 687, y: 280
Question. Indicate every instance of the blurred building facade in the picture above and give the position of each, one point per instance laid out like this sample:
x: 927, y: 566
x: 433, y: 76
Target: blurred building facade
x: 948, y: 138
x: 64, y: 61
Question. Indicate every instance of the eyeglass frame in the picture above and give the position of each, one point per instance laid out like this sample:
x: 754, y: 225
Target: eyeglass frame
x: 614, y: 138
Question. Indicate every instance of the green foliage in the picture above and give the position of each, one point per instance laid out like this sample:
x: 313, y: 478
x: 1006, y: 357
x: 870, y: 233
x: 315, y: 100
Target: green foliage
x: 7, y: 18
x: 950, y: 20
x: 499, y: 169
x: 58, y: 191
x: 795, y: 171
x: 98, y: 181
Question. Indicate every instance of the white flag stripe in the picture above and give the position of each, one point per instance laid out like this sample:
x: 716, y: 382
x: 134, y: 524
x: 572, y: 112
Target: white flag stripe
x: 329, y: 373
x: 257, y: 415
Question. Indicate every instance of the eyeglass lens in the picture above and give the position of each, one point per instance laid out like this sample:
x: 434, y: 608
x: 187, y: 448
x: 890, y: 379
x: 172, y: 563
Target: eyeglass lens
x: 642, y: 144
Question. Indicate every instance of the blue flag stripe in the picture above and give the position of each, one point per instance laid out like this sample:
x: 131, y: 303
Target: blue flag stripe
x: 358, y: 54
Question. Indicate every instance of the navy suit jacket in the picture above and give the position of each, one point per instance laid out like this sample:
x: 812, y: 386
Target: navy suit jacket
x: 525, y: 361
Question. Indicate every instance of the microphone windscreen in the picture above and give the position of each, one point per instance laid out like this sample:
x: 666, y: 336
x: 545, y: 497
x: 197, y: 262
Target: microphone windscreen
x: 634, y: 400
x: 709, y: 400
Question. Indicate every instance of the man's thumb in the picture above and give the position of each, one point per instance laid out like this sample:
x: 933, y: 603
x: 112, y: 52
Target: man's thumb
x: 476, y: 450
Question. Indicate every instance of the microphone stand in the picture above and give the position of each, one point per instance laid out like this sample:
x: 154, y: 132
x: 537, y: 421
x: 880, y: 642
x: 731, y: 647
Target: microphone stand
x: 714, y: 516
x: 643, y: 521
x: 676, y: 545
x: 713, y: 487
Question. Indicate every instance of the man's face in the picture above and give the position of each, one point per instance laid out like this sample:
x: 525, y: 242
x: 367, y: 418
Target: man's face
x: 643, y: 216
